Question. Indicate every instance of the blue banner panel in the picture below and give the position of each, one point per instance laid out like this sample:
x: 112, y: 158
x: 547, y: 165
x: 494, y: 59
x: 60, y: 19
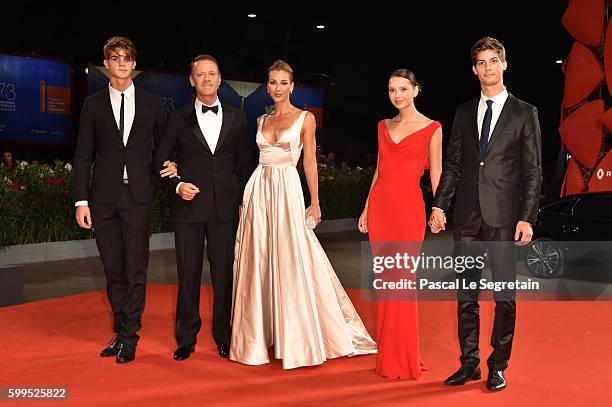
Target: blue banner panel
x: 176, y: 91
x: 259, y: 102
x: 34, y: 100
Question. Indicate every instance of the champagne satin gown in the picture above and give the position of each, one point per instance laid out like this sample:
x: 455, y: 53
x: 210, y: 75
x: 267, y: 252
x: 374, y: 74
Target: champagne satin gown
x: 286, y: 293
x: 396, y: 220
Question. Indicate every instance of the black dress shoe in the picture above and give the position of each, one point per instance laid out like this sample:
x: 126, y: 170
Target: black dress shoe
x: 463, y: 375
x: 496, y: 380
x: 126, y: 354
x: 112, y: 349
x: 224, y: 350
x: 183, y: 352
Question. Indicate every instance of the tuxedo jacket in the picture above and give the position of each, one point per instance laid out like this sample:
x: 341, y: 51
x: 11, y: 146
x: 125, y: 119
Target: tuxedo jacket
x: 221, y: 177
x: 99, y: 143
x: 505, y: 181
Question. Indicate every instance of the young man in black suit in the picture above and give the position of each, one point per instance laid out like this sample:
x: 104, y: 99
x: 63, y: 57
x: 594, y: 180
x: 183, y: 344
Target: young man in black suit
x: 494, y: 162
x: 209, y: 141
x: 118, y: 131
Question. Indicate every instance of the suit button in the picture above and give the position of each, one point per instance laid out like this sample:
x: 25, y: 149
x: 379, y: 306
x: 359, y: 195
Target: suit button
x: 482, y: 163
x: 214, y: 158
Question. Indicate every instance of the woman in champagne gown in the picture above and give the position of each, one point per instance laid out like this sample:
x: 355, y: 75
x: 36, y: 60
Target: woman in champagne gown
x: 394, y: 218
x: 286, y: 293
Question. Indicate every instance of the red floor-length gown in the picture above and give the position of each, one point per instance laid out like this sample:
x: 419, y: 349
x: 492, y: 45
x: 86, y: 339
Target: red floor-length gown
x: 396, y: 213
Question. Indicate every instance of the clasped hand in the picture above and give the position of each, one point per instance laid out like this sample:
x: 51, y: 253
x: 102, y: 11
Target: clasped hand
x: 437, y: 221
x: 170, y: 170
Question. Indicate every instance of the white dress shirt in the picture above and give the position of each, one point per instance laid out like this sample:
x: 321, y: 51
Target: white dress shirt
x: 129, y: 110
x: 496, y: 107
x: 210, y: 125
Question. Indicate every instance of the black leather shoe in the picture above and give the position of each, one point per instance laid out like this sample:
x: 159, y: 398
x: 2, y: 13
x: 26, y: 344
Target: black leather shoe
x: 496, y: 380
x: 463, y: 375
x: 112, y: 349
x: 224, y: 350
x: 183, y: 352
x: 126, y: 354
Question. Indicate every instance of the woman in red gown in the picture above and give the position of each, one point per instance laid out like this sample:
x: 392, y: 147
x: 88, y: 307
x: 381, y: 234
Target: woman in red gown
x: 394, y: 218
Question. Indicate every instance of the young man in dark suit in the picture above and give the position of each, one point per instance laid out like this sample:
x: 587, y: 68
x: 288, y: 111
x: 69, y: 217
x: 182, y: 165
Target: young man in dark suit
x: 494, y: 162
x: 209, y: 141
x: 118, y: 131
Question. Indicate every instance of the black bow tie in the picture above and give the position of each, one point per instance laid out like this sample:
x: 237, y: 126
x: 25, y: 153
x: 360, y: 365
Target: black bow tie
x: 213, y: 109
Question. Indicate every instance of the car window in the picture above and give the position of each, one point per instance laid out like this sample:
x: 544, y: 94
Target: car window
x: 594, y: 208
x: 558, y: 207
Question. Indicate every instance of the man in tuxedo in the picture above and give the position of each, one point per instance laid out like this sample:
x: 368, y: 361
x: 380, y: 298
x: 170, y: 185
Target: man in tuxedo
x: 118, y: 131
x: 209, y: 140
x: 494, y: 162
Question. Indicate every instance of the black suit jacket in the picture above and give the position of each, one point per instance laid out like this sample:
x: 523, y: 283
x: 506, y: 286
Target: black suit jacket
x: 221, y: 177
x: 506, y: 181
x: 100, y: 144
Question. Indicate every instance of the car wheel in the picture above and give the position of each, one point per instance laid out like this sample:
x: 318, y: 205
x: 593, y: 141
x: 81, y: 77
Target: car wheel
x: 544, y: 259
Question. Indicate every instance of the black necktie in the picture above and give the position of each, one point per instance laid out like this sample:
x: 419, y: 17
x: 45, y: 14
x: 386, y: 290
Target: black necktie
x: 486, y: 127
x: 121, y: 116
x: 213, y: 109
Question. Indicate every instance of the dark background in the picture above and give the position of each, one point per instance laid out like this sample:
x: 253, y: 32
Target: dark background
x: 351, y: 58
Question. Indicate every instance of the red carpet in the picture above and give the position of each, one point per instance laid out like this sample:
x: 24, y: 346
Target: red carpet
x: 562, y: 355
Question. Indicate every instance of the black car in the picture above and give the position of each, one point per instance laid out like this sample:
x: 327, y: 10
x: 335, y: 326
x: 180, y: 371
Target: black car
x: 566, y: 229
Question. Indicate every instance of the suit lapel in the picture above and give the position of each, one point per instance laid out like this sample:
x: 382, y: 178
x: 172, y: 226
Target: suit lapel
x: 109, y: 113
x: 474, y: 121
x: 138, y: 116
x: 504, y: 117
x: 228, y: 116
x: 192, y: 123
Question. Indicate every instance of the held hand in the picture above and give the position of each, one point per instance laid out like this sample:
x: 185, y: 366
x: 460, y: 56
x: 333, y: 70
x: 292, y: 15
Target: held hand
x: 315, y: 212
x: 83, y: 217
x: 188, y: 191
x: 437, y: 221
x: 170, y: 170
x: 363, y: 221
x: 524, y: 232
